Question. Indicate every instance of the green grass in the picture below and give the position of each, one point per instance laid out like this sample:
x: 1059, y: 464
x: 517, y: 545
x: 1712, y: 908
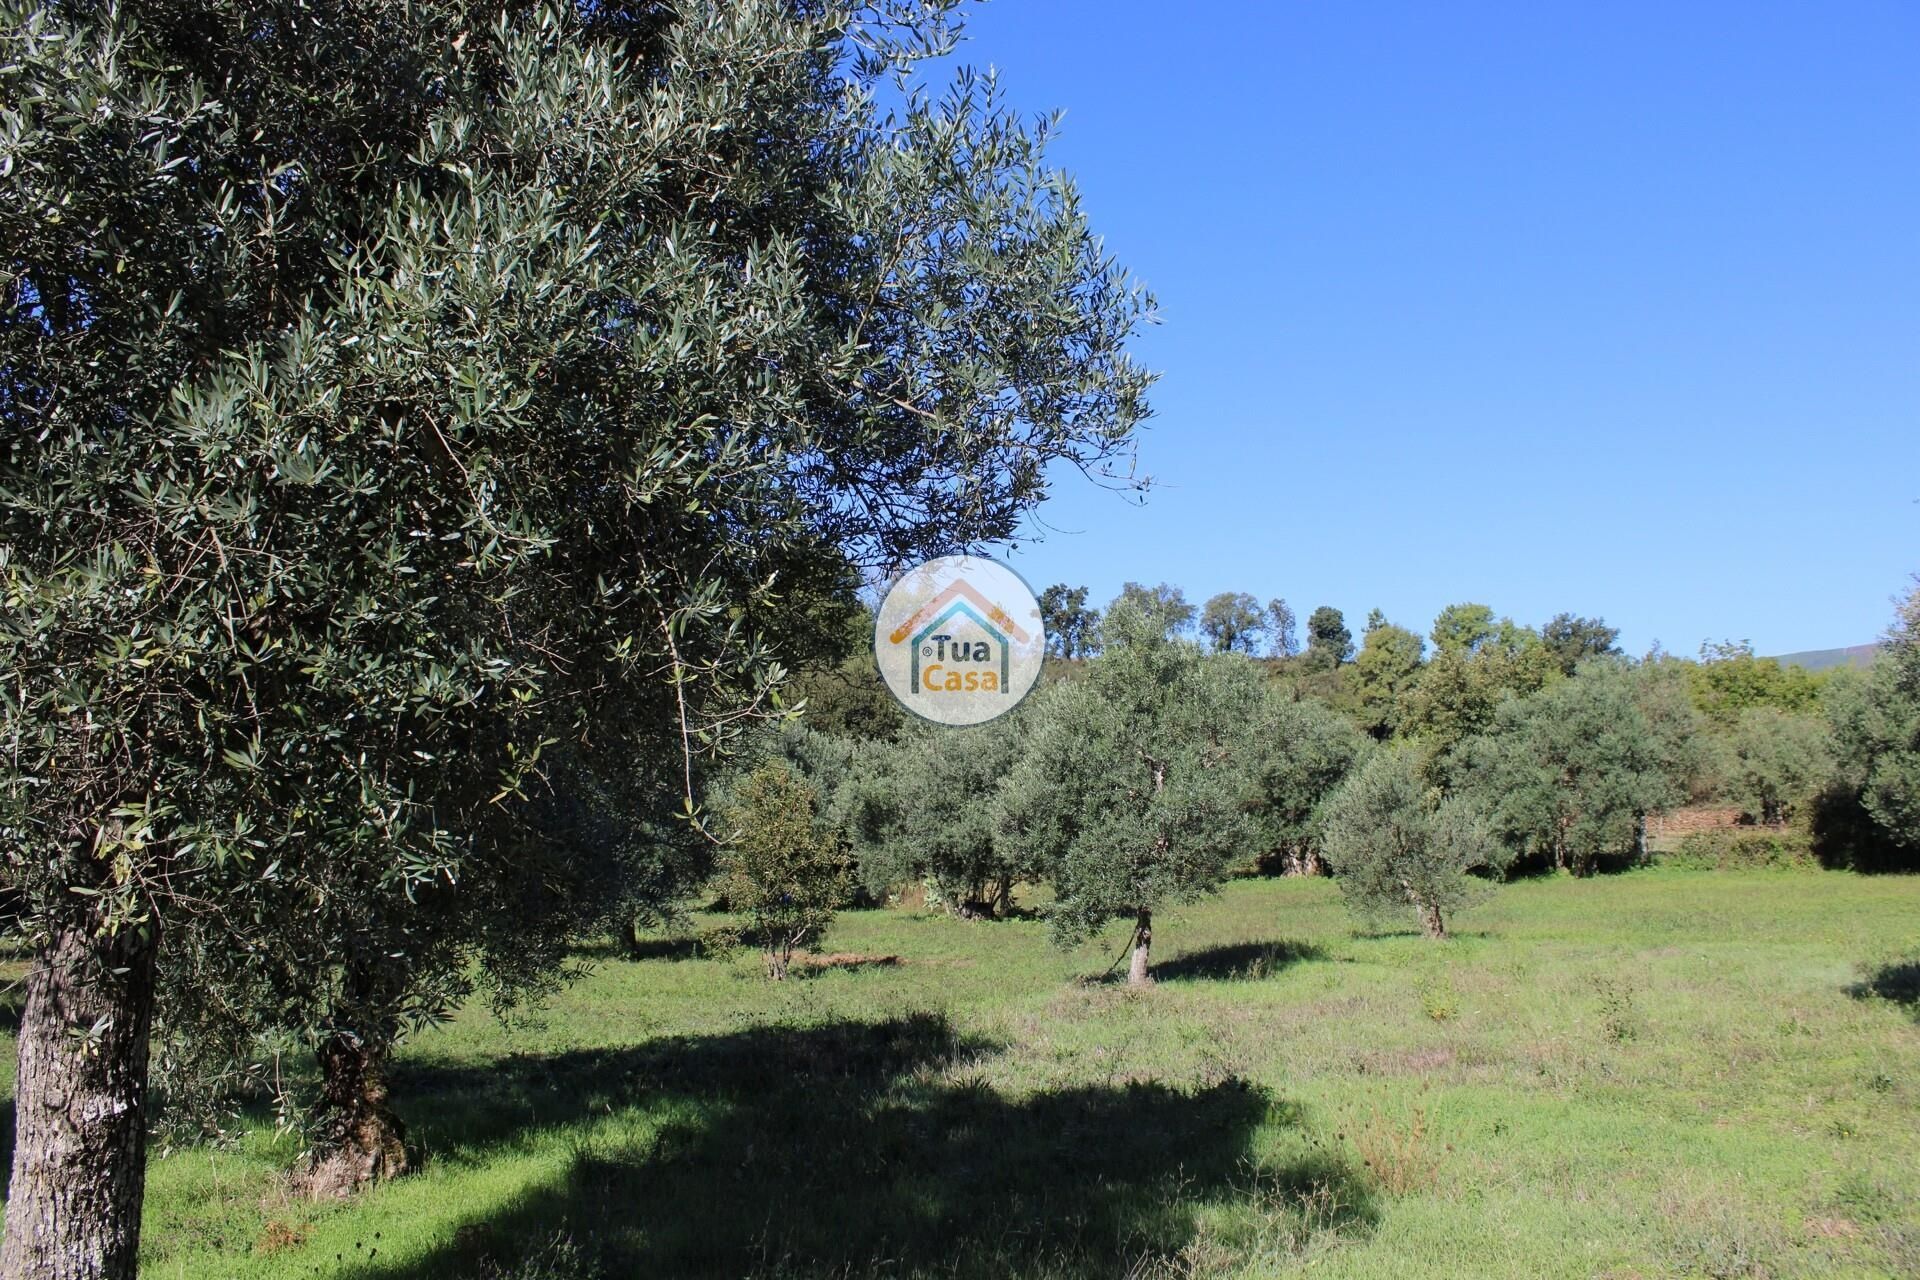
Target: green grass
x: 1662, y: 1073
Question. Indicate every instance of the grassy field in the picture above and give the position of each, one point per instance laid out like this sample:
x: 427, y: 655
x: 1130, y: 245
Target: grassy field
x: 1661, y: 1073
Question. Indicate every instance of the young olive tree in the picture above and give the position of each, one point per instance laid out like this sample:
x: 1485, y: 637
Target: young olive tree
x: 1133, y: 791
x: 1394, y: 844
x: 782, y: 873
x: 392, y: 394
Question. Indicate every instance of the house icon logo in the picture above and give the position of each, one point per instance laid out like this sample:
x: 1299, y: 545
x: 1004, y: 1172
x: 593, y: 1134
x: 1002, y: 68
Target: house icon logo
x: 958, y: 640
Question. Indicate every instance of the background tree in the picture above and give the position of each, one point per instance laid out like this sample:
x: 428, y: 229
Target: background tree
x: 781, y: 873
x: 1133, y: 792
x: 1073, y: 629
x: 1466, y: 681
x: 1876, y: 732
x: 1571, y: 773
x: 1572, y: 640
x: 1777, y: 762
x: 1730, y: 679
x: 931, y: 811
x: 1663, y: 693
x: 1394, y: 845
x: 391, y: 396
x: 1300, y: 753
x: 1329, y: 643
x: 1463, y: 628
x: 1233, y: 623
x: 839, y: 687
x: 1377, y: 689
x: 1164, y: 607
x: 1280, y: 627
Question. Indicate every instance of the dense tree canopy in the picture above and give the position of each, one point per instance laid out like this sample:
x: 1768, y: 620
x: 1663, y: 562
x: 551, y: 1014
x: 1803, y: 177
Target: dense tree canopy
x: 392, y: 394
x: 1571, y: 773
x: 1379, y: 685
x: 1233, y: 622
x: 1877, y: 735
x: 1572, y: 640
x: 1329, y: 643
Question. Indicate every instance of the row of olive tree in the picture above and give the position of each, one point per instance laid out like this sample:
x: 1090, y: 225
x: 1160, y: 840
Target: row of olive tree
x: 1144, y: 775
x: 1139, y: 783
x: 1763, y: 738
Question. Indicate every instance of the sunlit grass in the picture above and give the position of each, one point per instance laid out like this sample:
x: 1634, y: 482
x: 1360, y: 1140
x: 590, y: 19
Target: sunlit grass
x: 1654, y: 1074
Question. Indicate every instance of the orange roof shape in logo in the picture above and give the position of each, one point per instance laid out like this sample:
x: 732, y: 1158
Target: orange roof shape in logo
x: 939, y: 602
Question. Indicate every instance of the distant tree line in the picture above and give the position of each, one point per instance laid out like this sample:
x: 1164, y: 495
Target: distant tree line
x: 1163, y: 756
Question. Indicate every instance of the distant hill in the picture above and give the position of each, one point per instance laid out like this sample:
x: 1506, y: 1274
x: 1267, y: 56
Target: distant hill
x: 1855, y: 655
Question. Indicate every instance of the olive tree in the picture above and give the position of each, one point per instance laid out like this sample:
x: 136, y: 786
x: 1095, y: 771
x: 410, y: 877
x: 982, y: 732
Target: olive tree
x: 1570, y: 773
x: 393, y: 394
x: 1395, y: 844
x: 928, y: 810
x: 1876, y: 733
x: 1299, y: 753
x: 1776, y: 762
x: 1132, y: 793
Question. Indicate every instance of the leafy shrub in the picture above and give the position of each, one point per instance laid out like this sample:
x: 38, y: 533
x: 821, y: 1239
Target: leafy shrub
x: 783, y: 875
x: 1738, y: 848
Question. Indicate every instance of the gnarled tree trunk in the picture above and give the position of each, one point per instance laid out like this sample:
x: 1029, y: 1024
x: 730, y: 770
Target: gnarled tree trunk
x: 80, y: 1114
x: 1432, y: 921
x: 360, y: 1139
x: 1137, y: 975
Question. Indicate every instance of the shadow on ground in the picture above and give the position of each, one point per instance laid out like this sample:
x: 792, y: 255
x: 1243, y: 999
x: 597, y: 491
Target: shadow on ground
x: 1239, y: 961
x: 856, y: 1149
x: 1897, y: 982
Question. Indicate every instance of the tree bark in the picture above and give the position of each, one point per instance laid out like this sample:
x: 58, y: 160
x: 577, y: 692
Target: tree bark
x: 361, y: 1140
x: 80, y: 1112
x: 1434, y: 922
x: 1301, y: 861
x: 1137, y: 975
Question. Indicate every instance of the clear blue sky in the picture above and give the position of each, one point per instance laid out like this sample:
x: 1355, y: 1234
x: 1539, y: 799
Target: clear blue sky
x: 1612, y: 308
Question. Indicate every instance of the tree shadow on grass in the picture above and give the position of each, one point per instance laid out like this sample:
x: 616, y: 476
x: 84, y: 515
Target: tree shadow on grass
x: 856, y: 1149
x: 1897, y: 982
x: 1237, y: 961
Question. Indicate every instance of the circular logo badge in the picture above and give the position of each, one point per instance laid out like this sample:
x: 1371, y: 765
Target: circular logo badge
x: 959, y: 640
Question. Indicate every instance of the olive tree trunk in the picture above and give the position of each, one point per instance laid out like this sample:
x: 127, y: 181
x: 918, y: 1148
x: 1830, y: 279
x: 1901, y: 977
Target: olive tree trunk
x: 1137, y: 975
x: 1431, y: 919
x: 360, y: 1140
x: 80, y: 1113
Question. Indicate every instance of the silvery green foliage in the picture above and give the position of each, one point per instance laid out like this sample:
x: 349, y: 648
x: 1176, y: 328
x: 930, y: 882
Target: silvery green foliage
x: 1570, y: 773
x: 393, y: 393
x: 1876, y: 732
x: 1301, y: 751
x: 1397, y: 848
x: 1777, y: 761
x: 929, y: 811
x: 1133, y: 791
